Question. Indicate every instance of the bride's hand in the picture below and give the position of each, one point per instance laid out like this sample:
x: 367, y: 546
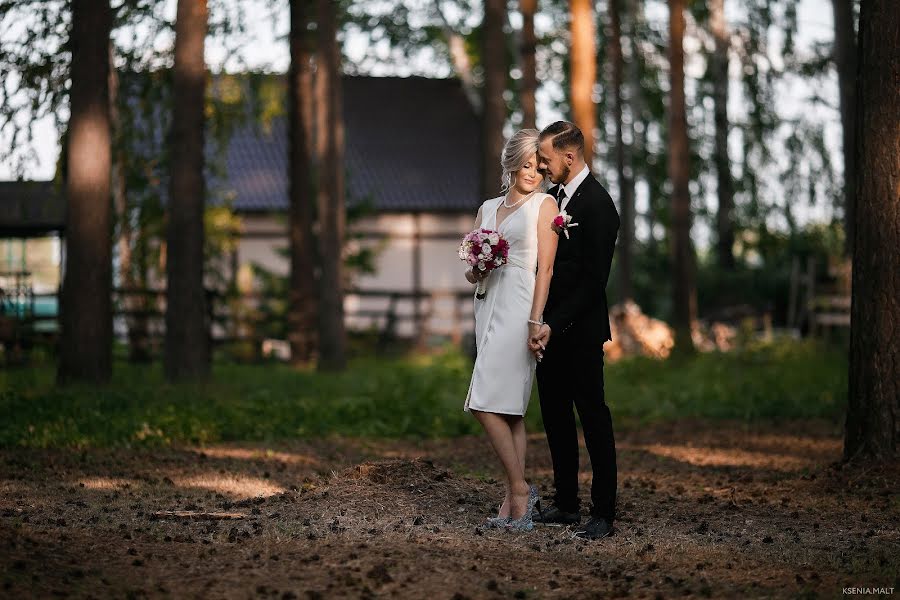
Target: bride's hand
x: 473, y: 275
x: 538, y: 342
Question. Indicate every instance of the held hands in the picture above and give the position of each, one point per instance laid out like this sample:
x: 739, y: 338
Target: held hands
x: 538, y: 338
x: 473, y: 275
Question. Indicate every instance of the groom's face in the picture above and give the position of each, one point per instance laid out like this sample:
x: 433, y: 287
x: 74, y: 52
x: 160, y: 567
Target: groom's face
x: 553, y: 162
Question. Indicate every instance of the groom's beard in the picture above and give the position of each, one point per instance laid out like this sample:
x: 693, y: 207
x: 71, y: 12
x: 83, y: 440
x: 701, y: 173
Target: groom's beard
x: 565, y: 175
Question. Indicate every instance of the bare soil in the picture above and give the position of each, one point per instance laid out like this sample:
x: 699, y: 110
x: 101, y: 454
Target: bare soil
x: 705, y: 509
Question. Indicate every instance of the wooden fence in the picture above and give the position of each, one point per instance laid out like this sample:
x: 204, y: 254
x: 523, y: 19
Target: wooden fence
x: 237, y: 318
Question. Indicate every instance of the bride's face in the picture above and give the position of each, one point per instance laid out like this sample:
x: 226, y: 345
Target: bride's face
x: 527, y: 179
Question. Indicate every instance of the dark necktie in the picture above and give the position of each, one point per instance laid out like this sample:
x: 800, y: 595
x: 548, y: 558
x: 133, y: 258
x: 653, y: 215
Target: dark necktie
x: 560, y: 196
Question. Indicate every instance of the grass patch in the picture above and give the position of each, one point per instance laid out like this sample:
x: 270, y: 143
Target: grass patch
x: 784, y: 380
x: 416, y: 397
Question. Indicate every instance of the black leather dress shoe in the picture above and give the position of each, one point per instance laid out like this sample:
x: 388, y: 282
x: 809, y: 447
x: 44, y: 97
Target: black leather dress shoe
x: 594, y: 529
x: 552, y: 514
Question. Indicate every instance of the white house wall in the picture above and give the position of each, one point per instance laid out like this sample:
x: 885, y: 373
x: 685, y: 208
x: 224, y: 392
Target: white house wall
x: 392, y: 236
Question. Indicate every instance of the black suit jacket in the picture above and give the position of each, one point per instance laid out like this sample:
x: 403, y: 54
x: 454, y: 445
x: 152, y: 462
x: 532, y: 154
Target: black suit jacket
x: 577, y: 296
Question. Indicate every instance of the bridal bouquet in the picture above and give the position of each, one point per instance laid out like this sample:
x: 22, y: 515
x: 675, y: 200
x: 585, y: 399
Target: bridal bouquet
x: 484, y: 250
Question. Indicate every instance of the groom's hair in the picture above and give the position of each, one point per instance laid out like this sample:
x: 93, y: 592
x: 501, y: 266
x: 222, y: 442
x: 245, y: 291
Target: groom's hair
x: 565, y: 135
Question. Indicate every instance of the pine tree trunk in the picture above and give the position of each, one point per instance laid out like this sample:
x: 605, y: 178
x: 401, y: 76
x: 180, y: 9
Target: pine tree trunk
x: 719, y: 69
x: 874, y: 390
x: 684, y: 295
x: 494, y: 115
x: 456, y: 43
x: 845, y: 61
x: 86, y: 306
x: 135, y: 324
x: 302, y: 300
x: 332, y: 336
x: 528, y: 64
x: 637, y: 104
x: 187, y: 340
x: 584, y: 72
x: 626, y: 184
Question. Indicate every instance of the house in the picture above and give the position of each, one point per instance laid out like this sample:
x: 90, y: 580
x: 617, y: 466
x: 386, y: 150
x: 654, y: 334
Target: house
x: 412, y: 148
x: 32, y: 220
x: 412, y: 151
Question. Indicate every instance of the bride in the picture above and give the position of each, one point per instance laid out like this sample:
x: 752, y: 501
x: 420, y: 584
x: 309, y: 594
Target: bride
x: 508, y: 315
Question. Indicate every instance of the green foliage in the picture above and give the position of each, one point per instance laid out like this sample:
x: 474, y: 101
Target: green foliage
x: 765, y: 381
x: 419, y: 397
x: 760, y: 279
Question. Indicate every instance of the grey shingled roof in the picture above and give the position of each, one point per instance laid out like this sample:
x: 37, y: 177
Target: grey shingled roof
x: 31, y: 208
x: 412, y: 144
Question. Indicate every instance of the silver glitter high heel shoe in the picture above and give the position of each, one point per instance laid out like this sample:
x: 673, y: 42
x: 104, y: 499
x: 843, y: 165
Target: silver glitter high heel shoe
x: 496, y: 522
x: 525, y: 523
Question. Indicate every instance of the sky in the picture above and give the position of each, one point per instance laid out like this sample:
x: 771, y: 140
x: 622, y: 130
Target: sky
x: 268, y: 50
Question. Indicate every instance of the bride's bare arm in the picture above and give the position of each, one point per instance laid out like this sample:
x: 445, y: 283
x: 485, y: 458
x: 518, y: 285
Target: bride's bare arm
x: 547, y: 241
x: 470, y: 274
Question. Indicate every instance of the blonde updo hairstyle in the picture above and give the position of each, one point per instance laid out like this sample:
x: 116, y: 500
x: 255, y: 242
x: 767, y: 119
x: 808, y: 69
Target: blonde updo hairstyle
x: 518, y: 149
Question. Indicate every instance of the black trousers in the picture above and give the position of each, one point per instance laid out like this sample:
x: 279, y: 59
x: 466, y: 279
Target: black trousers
x: 571, y: 373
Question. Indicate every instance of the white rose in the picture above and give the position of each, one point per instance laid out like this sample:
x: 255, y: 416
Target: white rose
x: 494, y: 238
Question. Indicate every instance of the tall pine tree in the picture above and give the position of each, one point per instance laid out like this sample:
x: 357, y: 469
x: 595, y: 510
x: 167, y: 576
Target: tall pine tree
x: 86, y: 305
x: 684, y: 293
x: 874, y: 394
x: 187, y: 340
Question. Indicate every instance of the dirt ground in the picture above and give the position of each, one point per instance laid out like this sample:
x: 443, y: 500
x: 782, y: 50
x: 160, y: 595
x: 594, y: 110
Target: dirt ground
x: 705, y: 509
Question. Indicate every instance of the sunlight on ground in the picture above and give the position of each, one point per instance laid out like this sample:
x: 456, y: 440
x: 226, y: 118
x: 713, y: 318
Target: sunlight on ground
x: 723, y: 457
x: 107, y: 483
x: 258, y: 454
x: 237, y: 487
x: 795, y: 443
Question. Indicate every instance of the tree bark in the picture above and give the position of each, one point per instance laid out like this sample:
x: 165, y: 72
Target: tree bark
x: 639, y: 122
x: 493, y: 55
x: 332, y: 336
x: 456, y: 43
x: 187, y: 339
x: 874, y: 389
x: 86, y: 307
x: 528, y: 64
x: 845, y: 61
x: 626, y: 184
x: 584, y: 71
x: 684, y: 294
x: 134, y: 305
x: 302, y: 294
x: 725, y: 189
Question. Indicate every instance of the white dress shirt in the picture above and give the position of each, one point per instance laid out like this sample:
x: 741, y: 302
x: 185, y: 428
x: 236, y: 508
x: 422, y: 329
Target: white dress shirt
x: 572, y: 186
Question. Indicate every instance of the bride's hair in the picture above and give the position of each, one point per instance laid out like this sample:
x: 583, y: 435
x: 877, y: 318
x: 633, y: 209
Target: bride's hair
x: 516, y: 152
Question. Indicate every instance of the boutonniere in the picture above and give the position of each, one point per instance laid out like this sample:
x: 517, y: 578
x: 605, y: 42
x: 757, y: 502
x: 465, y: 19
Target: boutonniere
x: 562, y: 223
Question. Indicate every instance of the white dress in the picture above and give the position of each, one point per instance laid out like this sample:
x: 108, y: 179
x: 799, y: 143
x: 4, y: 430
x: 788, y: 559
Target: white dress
x: 504, y: 367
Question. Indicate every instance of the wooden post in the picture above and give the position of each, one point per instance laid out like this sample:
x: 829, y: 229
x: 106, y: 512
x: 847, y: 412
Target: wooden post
x: 792, y: 296
x: 417, y: 277
x: 811, y: 292
x: 456, y: 335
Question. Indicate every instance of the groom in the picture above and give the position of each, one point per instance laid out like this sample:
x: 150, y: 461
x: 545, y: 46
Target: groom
x: 576, y: 317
